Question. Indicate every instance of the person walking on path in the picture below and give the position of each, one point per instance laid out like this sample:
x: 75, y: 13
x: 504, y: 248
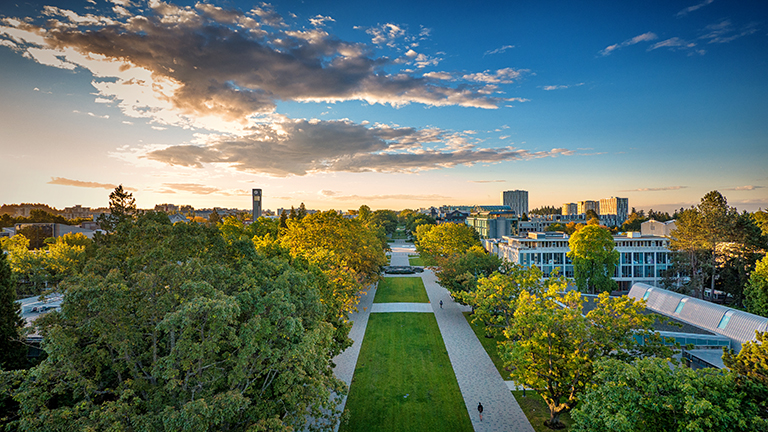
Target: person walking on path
x: 441, y: 304
x: 480, y: 410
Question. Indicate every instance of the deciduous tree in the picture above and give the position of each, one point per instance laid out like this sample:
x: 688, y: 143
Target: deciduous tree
x: 756, y: 292
x: 441, y: 241
x: 649, y: 395
x: 594, y: 258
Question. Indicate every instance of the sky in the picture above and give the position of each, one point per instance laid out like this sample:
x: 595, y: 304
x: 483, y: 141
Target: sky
x: 394, y: 105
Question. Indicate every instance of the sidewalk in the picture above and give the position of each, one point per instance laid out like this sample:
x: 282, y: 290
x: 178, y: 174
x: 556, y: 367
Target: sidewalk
x: 478, y: 378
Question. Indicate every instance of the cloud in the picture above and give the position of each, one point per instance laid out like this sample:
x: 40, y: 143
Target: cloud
x: 85, y: 184
x: 486, y: 181
x: 201, y: 189
x: 438, y: 75
x: 560, y: 87
x: 724, y: 32
x: 745, y: 188
x: 498, y: 50
x: 645, y: 37
x: 501, y: 76
x: 367, y: 198
x: 695, y: 7
x: 299, y: 147
x: 215, y: 68
x: 320, y: 20
x: 666, y: 188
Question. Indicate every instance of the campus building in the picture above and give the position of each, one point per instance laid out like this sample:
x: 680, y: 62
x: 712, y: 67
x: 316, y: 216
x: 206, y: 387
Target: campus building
x: 585, y: 206
x: 517, y: 200
x: 642, y: 258
x: 570, y: 209
x: 618, y: 207
x: 493, y: 222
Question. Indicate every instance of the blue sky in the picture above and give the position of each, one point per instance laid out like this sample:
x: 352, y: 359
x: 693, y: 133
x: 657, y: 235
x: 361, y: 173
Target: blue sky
x: 394, y: 105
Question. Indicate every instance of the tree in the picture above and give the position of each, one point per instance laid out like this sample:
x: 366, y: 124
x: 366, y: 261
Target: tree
x: 170, y: 327
x: 756, y: 291
x: 546, y: 210
x: 761, y: 219
x: 121, y: 203
x: 594, y: 259
x: 494, y: 300
x: 441, y: 241
x: 12, y: 351
x: 649, y: 395
x: 459, y: 273
x: 214, y: 217
x: 552, y: 347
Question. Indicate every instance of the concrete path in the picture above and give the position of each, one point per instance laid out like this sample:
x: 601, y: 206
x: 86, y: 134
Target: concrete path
x: 478, y: 378
x: 401, y: 307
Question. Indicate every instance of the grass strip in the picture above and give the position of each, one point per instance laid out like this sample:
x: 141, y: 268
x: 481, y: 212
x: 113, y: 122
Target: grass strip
x: 401, y: 290
x: 537, y: 411
x: 490, y: 345
x: 404, y: 380
x: 415, y: 261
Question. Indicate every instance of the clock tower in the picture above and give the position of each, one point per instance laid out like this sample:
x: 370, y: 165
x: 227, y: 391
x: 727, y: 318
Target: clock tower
x: 256, y: 204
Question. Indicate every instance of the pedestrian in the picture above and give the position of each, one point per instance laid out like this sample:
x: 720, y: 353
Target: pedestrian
x: 441, y: 304
x: 480, y: 410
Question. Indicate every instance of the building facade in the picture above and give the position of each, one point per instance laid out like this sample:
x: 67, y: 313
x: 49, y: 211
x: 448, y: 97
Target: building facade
x: 517, y: 200
x: 615, y: 206
x: 584, y: 206
x: 570, y: 209
x: 493, y: 223
x: 642, y: 259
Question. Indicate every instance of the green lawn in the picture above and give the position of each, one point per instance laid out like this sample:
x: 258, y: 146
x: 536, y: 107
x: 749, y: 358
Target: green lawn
x: 415, y: 261
x: 489, y: 344
x: 537, y: 411
x: 404, y: 380
x: 401, y: 290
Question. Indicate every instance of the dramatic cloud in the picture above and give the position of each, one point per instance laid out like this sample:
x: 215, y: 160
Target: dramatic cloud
x: 78, y: 183
x: 695, y: 7
x: 666, y: 188
x: 298, y: 147
x: 745, y: 188
x: 498, y: 50
x: 645, y: 37
x: 182, y: 65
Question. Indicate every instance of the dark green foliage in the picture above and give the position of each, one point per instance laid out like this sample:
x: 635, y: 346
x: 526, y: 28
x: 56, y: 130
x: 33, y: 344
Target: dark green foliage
x: 13, y: 353
x: 459, y: 273
x: 547, y: 210
x: 171, y: 327
x: 649, y: 395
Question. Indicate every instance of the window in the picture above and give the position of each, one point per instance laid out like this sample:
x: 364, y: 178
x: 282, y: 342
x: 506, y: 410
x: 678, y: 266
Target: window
x: 724, y: 320
x: 647, y: 293
x: 680, y: 305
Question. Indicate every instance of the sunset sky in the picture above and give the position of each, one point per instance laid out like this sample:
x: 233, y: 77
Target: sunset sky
x: 393, y: 104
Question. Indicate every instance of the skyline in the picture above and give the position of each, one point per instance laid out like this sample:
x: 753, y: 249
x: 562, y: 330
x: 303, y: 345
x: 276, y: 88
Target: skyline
x: 403, y: 106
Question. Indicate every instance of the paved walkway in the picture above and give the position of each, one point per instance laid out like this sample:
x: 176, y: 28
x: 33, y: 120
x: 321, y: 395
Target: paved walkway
x: 478, y: 379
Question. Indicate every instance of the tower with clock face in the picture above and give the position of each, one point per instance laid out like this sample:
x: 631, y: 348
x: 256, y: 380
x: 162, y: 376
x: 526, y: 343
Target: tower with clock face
x: 256, y: 204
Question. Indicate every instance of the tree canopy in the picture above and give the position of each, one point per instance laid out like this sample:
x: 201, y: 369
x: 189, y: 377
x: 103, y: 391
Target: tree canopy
x: 594, y: 258
x: 172, y: 327
x: 441, y: 241
x: 756, y: 292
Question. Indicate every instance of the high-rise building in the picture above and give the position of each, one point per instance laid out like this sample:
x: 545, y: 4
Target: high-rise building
x: 584, y: 206
x: 256, y: 204
x: 615, y: 206
x: 570, y: 209
x: 517, y: 199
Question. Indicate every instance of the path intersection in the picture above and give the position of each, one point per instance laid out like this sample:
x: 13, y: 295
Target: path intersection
x: 478, y: 378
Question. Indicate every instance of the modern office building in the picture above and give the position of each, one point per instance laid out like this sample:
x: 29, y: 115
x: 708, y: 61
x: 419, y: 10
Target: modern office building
x: 517, y: 200
x: 584, y: 206
x: 570, y: 209
x: 643, y: 258
x: 256, y: 203
x: 615, y: 206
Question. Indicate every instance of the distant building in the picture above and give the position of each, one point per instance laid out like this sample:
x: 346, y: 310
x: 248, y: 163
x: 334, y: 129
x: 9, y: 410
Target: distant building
x: 256, y: 203
x: 653, y: 227
x: 517, y: 200
x: 584, y: 206
x: 493, y: 221
x: 570, y: 209
x: 615, y: 206
x: 455, y: 216
x: 77, y: 212
x: 55, y: 229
